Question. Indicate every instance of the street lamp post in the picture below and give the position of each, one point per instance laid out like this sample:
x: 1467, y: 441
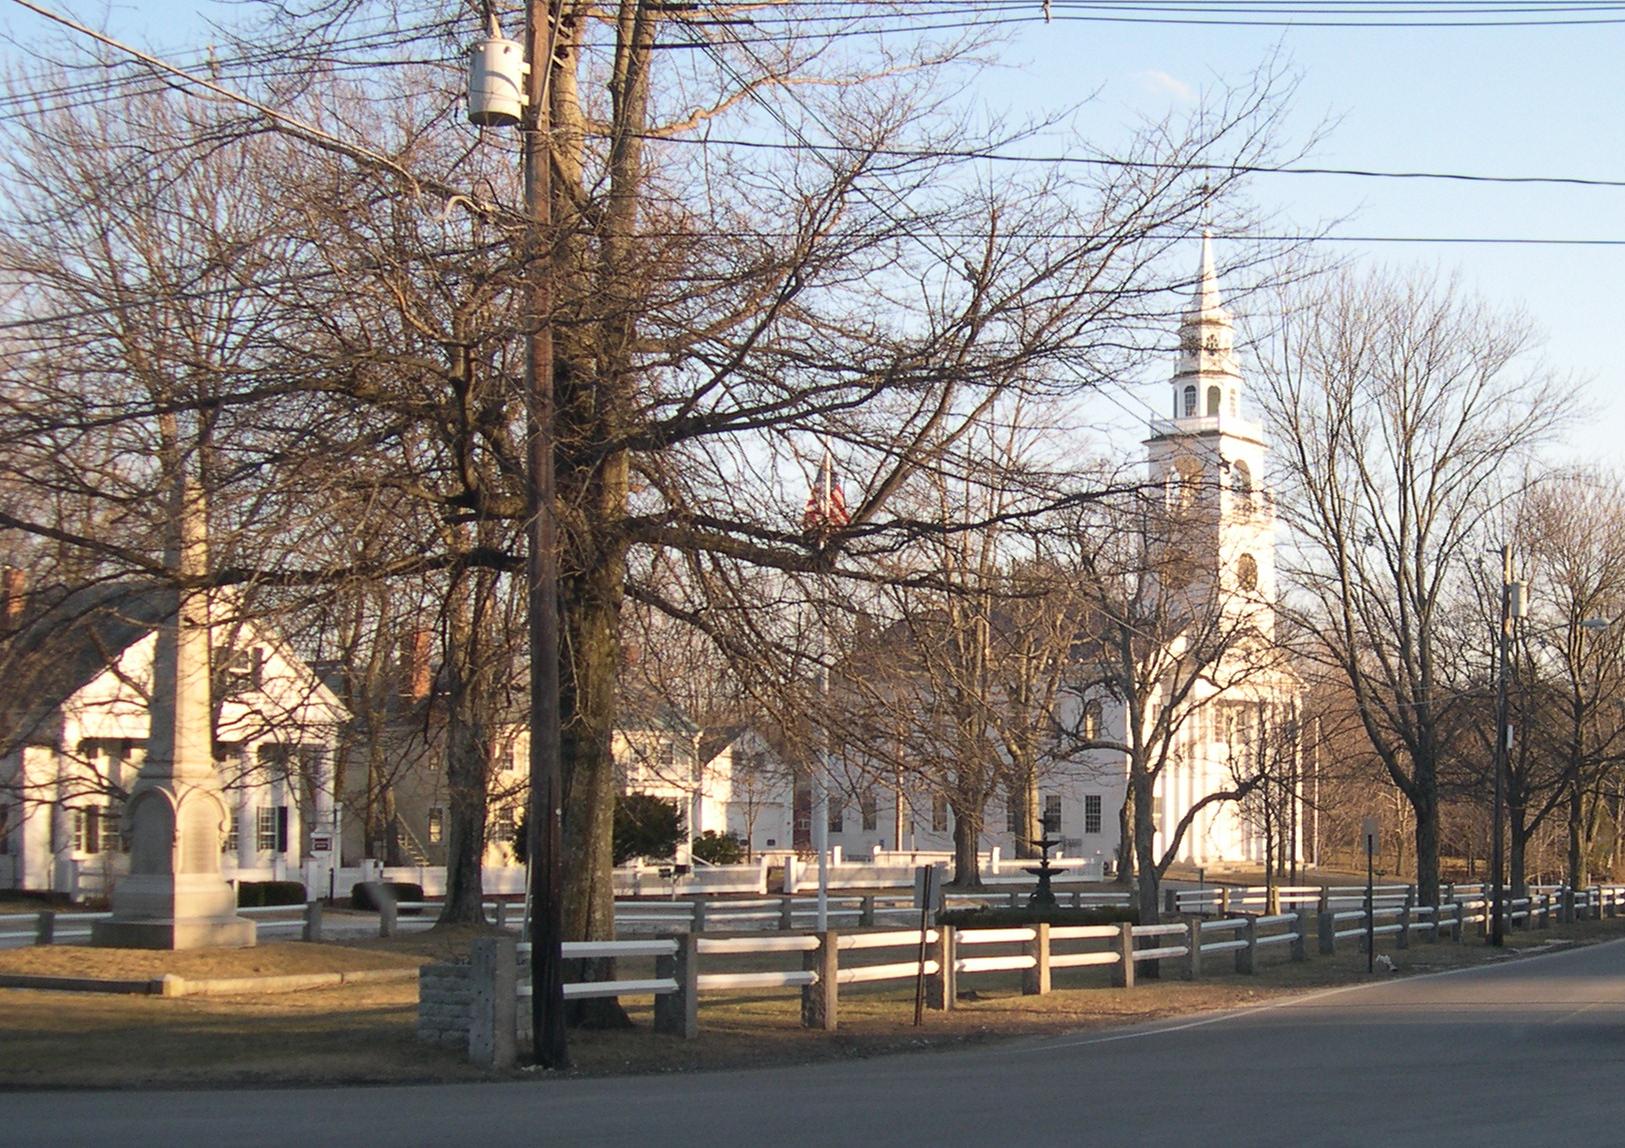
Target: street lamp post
x: 1513, y: 606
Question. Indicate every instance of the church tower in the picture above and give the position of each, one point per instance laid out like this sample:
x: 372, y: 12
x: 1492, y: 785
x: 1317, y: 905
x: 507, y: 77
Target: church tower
x: 1207, y: 462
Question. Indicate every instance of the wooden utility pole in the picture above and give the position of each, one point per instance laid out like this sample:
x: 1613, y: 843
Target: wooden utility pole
x: 546, y: 780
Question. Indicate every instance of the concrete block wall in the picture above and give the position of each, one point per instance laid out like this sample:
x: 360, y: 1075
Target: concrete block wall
x: 443, y: 1000
x: 444, y: 997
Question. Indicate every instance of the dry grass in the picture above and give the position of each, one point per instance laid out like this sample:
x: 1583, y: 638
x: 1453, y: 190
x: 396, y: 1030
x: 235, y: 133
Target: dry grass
x: 277, y: 958
x: 365, y: 1033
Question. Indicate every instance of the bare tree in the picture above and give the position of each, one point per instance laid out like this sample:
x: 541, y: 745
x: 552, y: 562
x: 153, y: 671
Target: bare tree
x: 1172, y: 644
x: 1398, y: 408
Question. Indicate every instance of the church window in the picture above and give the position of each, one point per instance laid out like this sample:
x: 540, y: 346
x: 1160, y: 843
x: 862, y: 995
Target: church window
x: 1190, y: 401
x: 837, y: 815
x: 1190, y: 480
x: 1247, y: 572
x: 1012, y: 813
x: 1052, y: 813
x: 1091, y: 813
x: 1241, y: 479
x: 1213, y: 394
x: 868, y: 809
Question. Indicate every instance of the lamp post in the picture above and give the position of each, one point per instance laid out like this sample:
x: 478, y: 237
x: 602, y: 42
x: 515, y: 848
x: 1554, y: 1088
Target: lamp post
x: 1514, y: 605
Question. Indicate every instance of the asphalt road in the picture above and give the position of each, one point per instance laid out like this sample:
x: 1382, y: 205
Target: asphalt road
x: 1530, y: 1052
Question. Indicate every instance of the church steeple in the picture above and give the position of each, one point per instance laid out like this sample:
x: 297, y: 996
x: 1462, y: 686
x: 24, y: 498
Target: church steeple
x: 1210, y: 461
x: 1207, y: 382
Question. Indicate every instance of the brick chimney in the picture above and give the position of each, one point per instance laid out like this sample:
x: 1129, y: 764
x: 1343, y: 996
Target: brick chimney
x: 416, y: 675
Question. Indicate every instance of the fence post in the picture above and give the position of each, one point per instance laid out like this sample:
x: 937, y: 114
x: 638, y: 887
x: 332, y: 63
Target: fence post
x: 1322, y: 903
x: 1123, y: 970
x: 313, y: 921
x: 1596, y: 902
x: 45, y: 928
x: 1327, y: 923
x: 1193, y: 965
x: 1404, y: 941
x: 387, y: 916
x: 820, y: 1001
x: 943, y: 987
x: 678, y: 1013
x: 1545, y: 910
x: 1565, y: 905
x: 697, y: 920
x: 1014, y: 898
x: 1300, y: 934
x: 1246, y: 958
x: 1224, y: 901
x: 1035, y: 981
x: 866, y: 912
x: 787, y: 918
x: 1170, y: 901
x: 1455, y: 921
x: 501, y: 916
x: 1613, y: 901
x: 493, y: 1002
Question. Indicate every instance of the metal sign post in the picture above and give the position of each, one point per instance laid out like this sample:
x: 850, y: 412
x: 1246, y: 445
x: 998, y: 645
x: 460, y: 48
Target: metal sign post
x: 1370, y: 829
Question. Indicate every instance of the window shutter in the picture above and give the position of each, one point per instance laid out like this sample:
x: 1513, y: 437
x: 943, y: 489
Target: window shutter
x: 282, y: 829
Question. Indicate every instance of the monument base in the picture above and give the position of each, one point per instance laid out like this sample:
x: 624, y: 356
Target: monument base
x: 185, y: 933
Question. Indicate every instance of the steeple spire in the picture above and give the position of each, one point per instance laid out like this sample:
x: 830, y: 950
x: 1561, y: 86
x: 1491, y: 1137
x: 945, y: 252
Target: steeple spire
x: 1207, y: 380
x: 1205, y: 303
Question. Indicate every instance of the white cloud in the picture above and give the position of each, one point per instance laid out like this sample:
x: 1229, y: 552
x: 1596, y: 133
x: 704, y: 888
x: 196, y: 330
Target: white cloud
x: 1161, y: 83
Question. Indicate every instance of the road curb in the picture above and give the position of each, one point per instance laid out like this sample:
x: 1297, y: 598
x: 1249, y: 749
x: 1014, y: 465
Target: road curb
x: 171, y: 985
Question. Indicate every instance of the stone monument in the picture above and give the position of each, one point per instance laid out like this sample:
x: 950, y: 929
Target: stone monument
x: 175, y: 896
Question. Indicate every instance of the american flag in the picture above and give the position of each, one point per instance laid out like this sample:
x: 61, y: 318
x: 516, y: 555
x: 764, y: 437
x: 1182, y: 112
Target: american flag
x: 826, y: 505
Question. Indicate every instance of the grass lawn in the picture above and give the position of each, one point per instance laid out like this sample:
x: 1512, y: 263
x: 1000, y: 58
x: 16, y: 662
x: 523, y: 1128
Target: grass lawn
x: 365, y: 1033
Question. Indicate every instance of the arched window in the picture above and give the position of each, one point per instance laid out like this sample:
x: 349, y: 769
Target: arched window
x: 1241, y: 479
x: 1213, y: 396
x: 1190, y: 482
x: 1247, y: 572
x: 1190, y: 401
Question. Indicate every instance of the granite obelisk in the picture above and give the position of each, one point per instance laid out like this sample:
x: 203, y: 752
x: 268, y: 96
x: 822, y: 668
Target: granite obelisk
x: 175, y: 896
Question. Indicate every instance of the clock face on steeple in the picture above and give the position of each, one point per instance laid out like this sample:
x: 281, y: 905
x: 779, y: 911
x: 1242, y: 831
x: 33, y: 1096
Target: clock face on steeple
x: 1213, y: 342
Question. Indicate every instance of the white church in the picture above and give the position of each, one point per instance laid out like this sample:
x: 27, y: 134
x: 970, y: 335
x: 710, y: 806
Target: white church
x: 1207, y: 459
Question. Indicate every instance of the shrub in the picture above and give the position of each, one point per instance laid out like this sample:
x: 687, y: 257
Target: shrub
x: 259, y: 894
x: 646, y: 826
x: 719, y: 848
x: 370, y: 895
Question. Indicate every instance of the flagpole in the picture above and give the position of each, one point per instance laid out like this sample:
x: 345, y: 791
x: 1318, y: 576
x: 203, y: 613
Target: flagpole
x: 821, y: 779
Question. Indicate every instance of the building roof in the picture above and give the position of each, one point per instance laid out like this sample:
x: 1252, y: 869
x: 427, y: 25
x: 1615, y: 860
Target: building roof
x: 68, y: 645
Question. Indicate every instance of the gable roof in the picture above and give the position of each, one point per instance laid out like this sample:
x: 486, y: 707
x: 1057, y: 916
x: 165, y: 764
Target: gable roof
x: 68, y: 645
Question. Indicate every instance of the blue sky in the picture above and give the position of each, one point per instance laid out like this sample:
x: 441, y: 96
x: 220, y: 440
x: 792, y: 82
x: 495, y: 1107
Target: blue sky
x: 1504, y: 101
x: 1524, y: 101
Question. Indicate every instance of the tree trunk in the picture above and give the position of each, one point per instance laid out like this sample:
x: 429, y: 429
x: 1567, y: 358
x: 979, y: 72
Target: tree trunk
x: 1125, y: 839
x: 967, y: 841
x: 1518, y: 834
x: 1577, y: 868
x: 1427, y: 848
x: 1145, y: 839
x: 471, y: 700
x: 590, y: 600
x: 1030, y: 826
